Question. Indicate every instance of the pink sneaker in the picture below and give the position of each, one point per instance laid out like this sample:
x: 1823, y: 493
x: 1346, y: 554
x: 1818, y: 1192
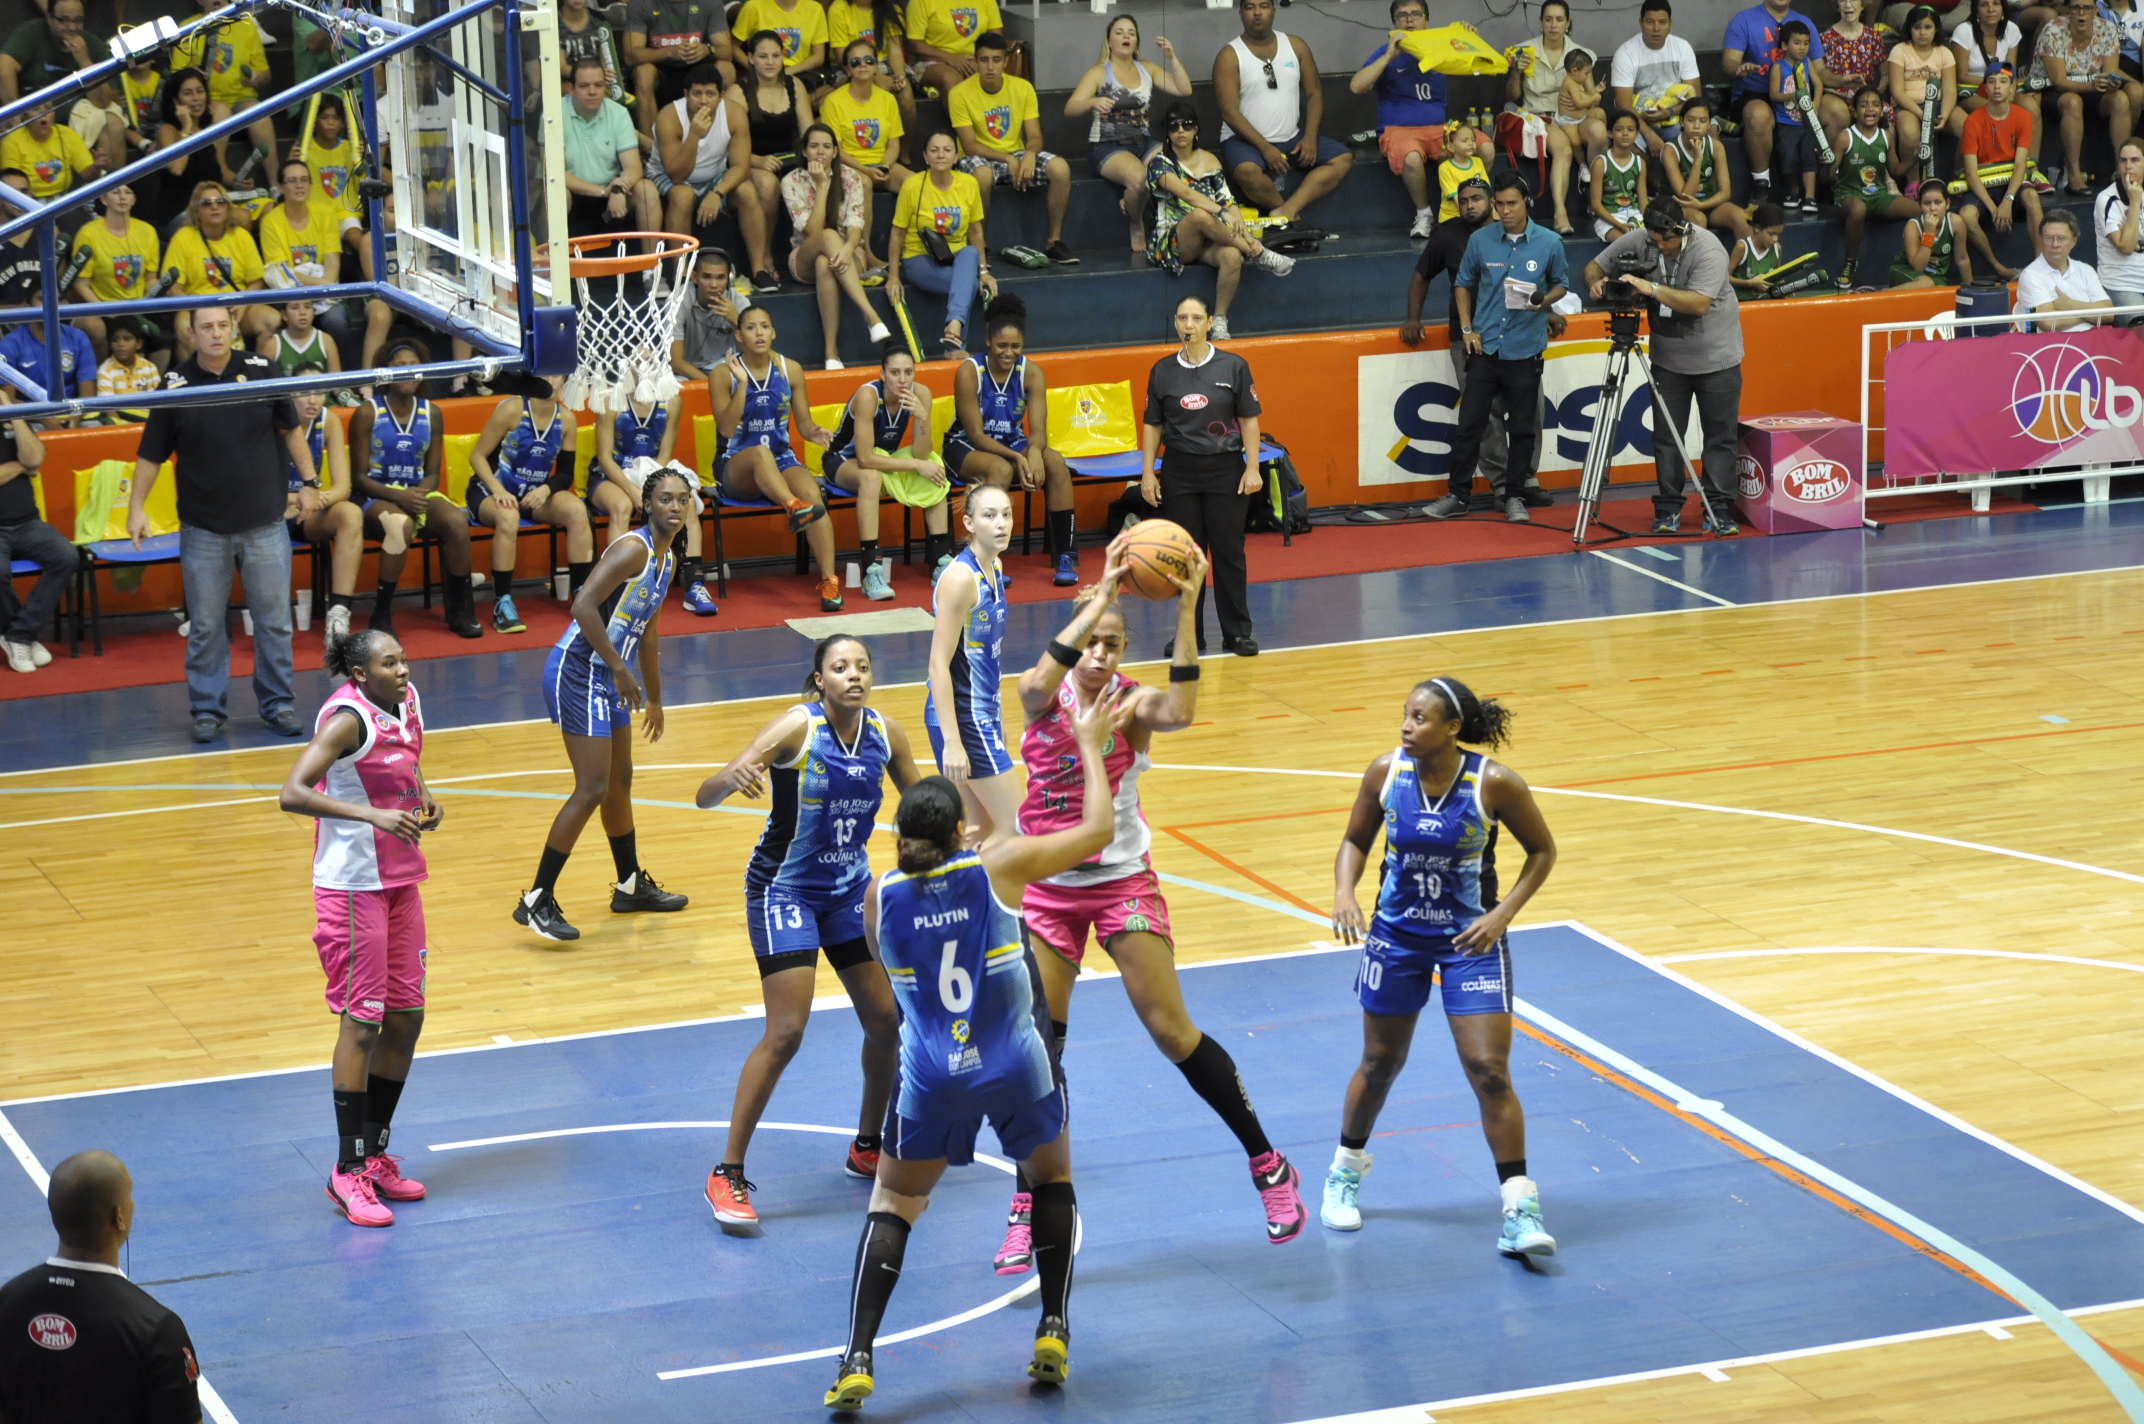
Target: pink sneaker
x: 353, y: 1196
x: 1017, y: 1256
x: 1279, y: 1188
x: 385, y: 1173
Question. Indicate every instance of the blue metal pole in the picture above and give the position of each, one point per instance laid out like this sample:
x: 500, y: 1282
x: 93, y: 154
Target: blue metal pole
x: 49, y: 258
x: 150, y: 306
x: 517, y: 169
x: 231, y: 392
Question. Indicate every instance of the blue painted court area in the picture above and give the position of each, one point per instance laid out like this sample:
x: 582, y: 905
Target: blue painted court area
x: 558, y: 1274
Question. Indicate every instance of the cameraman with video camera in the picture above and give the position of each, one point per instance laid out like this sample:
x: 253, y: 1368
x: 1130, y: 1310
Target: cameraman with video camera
x: 1680, y: 273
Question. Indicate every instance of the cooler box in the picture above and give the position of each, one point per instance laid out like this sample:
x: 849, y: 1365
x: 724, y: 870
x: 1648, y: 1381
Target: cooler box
x: 1799, y: 471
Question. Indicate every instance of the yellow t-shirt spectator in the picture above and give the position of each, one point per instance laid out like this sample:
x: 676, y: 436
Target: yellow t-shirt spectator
x: 52, y: 165
x: 120, y: 268
x: 195, y: 259
x: 1450, y: 174
x: 947, y: 211
x: 866, y: 132
x: 321, y: 235
x: 224, y: 56
x: 334, y: 175
x: 951, y: 25
x: 801, y: 27
x: 114, y: 379
x: 999, y: 120
x: 846, y: 24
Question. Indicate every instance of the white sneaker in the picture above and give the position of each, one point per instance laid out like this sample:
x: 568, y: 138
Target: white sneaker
x: 1341, y: 1210
x: 878, y: 335
x: 40, y: 654
x: 1280, y: 264
x: 1219, y: 331
x: 337, y: 623
x: 834, y: 365
x: 18, y: 656
x: 1424, y: 220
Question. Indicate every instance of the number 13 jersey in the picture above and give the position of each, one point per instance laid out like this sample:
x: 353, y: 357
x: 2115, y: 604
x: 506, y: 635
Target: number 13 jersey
x: 825, y: 801
x: 1439, y: 873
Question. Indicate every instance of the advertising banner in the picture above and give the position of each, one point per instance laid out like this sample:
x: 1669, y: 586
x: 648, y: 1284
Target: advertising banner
x: 2014, y: 402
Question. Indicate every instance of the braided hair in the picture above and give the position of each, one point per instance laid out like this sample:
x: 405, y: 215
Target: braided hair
x: 1483, y: 721
x: 654, y: 480
x: 927, y: 825
x: 353, y: 652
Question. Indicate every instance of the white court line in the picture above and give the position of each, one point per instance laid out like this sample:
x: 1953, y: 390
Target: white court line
x: 1693, y: 591
x: 1419, y: 1413
x: 2023, y: 954
x: 1426, y: 634
x: 212, y: 1404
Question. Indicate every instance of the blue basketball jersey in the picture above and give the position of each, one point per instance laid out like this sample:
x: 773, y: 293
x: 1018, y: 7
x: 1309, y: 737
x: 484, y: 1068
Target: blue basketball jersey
x: 825, y: 802
x: 316, y: 440
x: 526, y: 456
x: 632, y: 437
x: 1439, y: 872
x: 889, y: 428
x: 1004, y: 407
x: 398, y: 450
x: 960, y: 979
x: 766, y: 410
x: 627, y: 611
x: 975, y: 656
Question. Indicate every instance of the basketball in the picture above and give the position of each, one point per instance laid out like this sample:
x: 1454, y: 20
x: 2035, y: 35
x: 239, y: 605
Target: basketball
x: 1155, y: 552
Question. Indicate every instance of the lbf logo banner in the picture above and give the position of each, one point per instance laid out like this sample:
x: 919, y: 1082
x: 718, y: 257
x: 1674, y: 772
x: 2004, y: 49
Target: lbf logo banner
x: 2020, y: 402
x: 1408, y: 412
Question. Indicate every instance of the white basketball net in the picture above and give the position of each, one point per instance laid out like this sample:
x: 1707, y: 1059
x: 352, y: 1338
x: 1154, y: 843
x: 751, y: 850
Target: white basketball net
x: 622, y: 353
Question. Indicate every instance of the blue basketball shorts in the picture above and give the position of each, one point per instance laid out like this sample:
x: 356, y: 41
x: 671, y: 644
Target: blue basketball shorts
x: 982, y: 740
x: 581, y: 698
x: 950, y: 1122
x: 781, y: 921
x: 957, y: 449
x: 1395, y: 973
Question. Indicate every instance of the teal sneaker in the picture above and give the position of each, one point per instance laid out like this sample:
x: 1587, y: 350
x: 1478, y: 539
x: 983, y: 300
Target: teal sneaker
x: 1523, y: 1234
x: 1342, y: 1186
x: 877, y: 586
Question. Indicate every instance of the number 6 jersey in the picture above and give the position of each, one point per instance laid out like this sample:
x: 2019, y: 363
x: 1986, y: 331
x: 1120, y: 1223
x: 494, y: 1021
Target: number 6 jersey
x: 1439, y: 873
x: 825, y: 801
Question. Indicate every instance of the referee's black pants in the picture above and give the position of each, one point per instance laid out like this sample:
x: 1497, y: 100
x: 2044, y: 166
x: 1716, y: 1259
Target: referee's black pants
x: 1509, y: 389
x: 1213, y: 514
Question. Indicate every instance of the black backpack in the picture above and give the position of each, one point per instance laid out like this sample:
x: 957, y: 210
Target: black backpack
x: 1283, y: 506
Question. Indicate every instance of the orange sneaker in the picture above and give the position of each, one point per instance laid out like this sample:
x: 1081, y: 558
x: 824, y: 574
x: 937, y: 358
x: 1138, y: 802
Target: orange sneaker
x: 731, y: 1198
x: 862, y: 1163
x: 830, y: 598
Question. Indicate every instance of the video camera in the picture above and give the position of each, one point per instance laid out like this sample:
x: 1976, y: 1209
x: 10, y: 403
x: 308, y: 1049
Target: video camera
x: 1621, y: 295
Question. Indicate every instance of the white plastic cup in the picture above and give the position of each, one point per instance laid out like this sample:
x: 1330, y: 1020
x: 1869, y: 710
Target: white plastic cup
x: 248, y: 616
x: 561, y: 585
x: 855, y: 574
x: 301, y: 610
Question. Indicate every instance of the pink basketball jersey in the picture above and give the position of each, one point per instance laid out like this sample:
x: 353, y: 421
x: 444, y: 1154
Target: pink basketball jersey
x: 351, y: 855
x: 1054, y: 784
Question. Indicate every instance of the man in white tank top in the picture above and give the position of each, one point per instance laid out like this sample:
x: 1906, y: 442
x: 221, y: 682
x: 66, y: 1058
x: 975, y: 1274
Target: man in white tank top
x: 1271, y: 106
x: 703, y: 152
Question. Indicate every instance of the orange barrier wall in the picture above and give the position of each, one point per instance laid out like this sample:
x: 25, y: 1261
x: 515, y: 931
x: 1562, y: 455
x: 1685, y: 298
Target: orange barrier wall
x: 1802, y: 354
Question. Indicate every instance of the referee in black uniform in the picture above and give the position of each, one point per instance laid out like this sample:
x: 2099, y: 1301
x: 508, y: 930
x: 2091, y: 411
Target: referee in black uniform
x: 1201, y: 406
x: 78, y: 1340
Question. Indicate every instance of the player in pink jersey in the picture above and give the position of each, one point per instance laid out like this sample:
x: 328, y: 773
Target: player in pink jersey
x: 359, y: 776
x: 1116, y: 896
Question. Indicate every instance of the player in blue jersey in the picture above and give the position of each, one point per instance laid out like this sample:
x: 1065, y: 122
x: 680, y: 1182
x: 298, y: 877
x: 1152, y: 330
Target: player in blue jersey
x: 754, y: 395
x: 398, y: 441
x: 961, y: 713
x: 884, y: 445
x: 645, y: 431
x: 1001, y: 429
x: 1439, y: 921
x: 335, y: 520
x: 828, y: 758
x: 522, y: 468
x: 591, y: 691
x: 972, y: 1045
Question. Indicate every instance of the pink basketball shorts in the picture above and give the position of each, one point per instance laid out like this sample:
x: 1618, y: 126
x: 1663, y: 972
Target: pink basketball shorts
x: 372, y: 948
x: 1061, y: 916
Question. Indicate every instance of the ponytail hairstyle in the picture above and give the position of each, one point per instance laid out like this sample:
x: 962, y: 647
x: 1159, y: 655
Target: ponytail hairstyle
x: 354, y: 651
x: 927, y: 825
x: 977, y: 491
x: 819, y: 653
x: 1005, y: 310
x: 1483, y: 721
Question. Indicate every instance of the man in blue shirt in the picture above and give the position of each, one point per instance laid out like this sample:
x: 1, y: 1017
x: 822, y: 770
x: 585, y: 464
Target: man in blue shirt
x: 1513, y: 269
x: 1410, y: 111
x: 1752, y: 43
x: 24, y: 349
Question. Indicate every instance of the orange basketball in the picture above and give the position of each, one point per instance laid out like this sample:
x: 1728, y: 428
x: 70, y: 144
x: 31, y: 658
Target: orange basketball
x: 1155, y: 552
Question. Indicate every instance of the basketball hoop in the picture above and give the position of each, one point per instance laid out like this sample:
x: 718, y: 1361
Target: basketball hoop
x: 623, y: 352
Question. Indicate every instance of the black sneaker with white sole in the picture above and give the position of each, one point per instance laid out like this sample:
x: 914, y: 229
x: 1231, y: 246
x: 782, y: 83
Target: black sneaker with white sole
x: 538, y: 909
x: 639, y: 891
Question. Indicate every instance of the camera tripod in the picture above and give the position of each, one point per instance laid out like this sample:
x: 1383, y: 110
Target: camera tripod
x: 1600, y: 445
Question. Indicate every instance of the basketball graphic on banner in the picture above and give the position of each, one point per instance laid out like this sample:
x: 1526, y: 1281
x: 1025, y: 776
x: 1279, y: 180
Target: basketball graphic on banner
x: 2055, y: 392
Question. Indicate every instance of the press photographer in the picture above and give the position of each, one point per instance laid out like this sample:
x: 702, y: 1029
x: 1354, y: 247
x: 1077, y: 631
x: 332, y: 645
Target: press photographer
x: 1679, y: 274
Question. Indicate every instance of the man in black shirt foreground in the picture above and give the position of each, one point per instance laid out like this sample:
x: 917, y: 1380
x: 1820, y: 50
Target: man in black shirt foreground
x: 233, y: 482
x: 1447, y: 245
x: 78, y: 1340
